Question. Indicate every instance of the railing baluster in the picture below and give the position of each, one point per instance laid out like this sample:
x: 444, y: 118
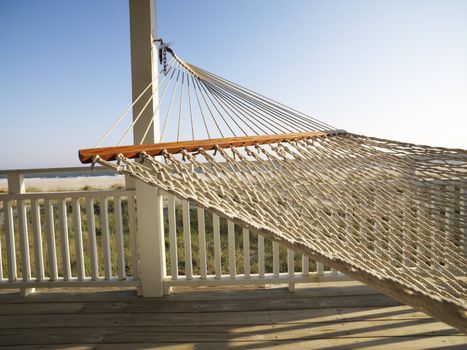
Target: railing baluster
x: 104, y: 211
x: 406, y: 232
x: 187, y: 239
x: 419, y: 230
x: 275, y: 259
x: 290, y: 262
x: 231, y: 248
x: 92, y: 238
x: 24, y: 241
x: 319, y: 268
x: 1, y: 261
x: 119, y: 237
x: 349, y: 230
x: 427, y: 208
x: 62, y: 212
x: 450, y: 222
x: 246, y: 253
x: 261, y: 256
x: 78, y: 231
x: 10, y: 240
x: 217, y: 245
x: 51, y: 247
x: 291, y: 267
x: 379, y: 244
x: 463, y: 221
x: 202, y: 243
x: 37, y: 232
x: 365, y: 236
x: 173, y: 237
x: 459, y: 219
x: 132, y: 230
x: 441, y: 237
x: 305, y: 265
x: 1, y: 255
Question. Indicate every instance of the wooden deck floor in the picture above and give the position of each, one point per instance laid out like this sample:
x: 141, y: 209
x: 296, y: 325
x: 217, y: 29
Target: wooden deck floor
x: 339, y: 315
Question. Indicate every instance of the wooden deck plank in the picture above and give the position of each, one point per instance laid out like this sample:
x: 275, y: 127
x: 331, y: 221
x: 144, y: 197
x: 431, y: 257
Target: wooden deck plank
x: 212, y: 319
x: 194, y: 334
x: 165, y: 306
x: 190, y: 294
x: 345, y: 315
x: 403, y: 343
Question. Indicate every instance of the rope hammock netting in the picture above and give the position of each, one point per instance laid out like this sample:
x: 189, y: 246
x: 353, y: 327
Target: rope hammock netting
x: 390, y: 214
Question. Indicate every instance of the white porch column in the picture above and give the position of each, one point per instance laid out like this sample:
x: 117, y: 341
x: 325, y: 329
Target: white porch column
x: 148, y: 199
x: 16, y: 186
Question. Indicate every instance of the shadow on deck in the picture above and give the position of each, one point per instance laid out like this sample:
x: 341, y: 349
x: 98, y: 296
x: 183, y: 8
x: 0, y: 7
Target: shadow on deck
x: 339, y: 315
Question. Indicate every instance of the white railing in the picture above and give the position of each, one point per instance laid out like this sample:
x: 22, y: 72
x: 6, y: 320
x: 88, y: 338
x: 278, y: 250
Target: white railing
x: 69, y: 238
x: 89, y: 238
x: 210, y: 250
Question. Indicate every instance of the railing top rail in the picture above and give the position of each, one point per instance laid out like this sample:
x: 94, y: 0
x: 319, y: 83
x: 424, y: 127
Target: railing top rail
x: 66, y: 194
x: 40, y: 171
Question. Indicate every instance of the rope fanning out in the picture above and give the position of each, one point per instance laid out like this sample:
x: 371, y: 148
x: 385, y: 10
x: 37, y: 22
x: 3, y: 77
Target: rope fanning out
x: 198, y: 97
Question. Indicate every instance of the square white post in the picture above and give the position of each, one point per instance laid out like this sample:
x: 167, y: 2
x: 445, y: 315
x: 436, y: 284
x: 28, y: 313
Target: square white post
x: 150, y: 219
x: 16, y: 186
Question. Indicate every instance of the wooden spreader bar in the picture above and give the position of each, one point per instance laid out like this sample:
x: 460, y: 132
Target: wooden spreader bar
x: 133, y: 151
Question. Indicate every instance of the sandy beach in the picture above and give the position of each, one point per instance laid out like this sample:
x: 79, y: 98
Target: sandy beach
x: 69, y: 183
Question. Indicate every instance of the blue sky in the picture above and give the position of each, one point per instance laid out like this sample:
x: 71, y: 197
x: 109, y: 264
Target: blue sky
x: 391, y: 69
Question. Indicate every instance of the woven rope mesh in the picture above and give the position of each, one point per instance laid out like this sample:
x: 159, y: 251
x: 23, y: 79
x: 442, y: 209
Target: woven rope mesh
x: 392, y: 215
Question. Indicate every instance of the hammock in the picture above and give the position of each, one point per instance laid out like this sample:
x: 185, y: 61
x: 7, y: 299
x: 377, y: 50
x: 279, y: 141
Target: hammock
x: 389, y: 214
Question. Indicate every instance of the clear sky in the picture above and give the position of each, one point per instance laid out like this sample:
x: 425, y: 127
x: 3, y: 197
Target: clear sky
x: 391, y: 69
